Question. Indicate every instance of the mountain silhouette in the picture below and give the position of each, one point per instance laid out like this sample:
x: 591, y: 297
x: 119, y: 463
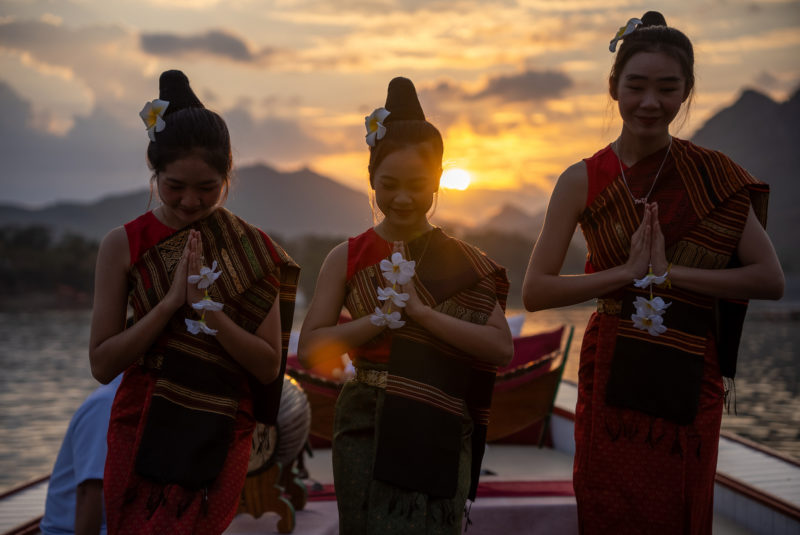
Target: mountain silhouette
x: 286, y: 204
x: 762, y: 136
x: 757, y: 132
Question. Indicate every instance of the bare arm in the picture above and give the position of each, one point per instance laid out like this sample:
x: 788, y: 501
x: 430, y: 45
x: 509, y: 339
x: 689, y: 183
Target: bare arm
x: 259, y: 352
x: 112, y: 347
x: 89, y: 507
x: 759, y: 277
x: 543, y: 287
x: 321, y: 337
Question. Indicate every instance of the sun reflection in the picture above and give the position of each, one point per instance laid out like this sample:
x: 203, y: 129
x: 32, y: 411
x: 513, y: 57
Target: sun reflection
x: 455, y: 179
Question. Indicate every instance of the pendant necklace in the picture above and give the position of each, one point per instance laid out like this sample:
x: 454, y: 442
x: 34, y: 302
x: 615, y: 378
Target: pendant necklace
x: 642, y: 200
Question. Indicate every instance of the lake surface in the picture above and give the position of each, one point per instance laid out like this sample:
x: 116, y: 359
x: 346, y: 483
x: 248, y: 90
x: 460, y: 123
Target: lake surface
x: 46, y: 376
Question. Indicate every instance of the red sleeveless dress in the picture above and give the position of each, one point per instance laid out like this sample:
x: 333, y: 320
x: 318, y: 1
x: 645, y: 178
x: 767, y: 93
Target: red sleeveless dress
x: 635, y: 474
x: 129, y: 498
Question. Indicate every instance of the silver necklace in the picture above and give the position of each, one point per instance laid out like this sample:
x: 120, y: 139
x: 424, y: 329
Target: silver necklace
x: 642, y: 200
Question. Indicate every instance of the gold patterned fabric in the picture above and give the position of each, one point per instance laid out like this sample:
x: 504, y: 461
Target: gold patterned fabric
x: 198, y: 385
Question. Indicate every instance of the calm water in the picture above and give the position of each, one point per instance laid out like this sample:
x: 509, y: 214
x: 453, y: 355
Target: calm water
x: 46, y: 376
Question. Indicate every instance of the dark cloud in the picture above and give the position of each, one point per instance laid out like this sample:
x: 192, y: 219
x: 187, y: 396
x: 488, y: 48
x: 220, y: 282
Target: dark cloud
x: 101, y: 155
x: 215, y: 42
x: 271, y: 139
x: 97, y: 156
x: 373, y: 7
x: 526, y: 86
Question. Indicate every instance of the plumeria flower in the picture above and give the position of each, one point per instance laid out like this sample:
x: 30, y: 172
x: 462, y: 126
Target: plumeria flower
x: 197, y: 326
x: 381, y: 318
x: 374, y: 124
x: 207, y: 304
x: 652, y: 324
x: 153, y: 116
x: 206, y: 277
x: 398, y: 270
x: 398, y: 299
x: 349, y: 370
x: 650, y: 278
x: 622, y: 32
x: 650, y: 307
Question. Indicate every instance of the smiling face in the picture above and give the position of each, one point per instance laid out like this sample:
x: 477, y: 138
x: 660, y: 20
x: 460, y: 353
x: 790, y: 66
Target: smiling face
x: 404, y: 184
x: 189, y: 189
x: 650, y: 91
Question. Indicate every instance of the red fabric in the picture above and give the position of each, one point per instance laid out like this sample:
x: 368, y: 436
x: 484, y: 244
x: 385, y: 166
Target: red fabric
x: 625, y: 485
x: 675, y: 213
x: 602, y: 167
x: 126, y: 494
x: 365, y: 250
x: 144, y: 232
x: 531, y: 348
x: 633, y: 473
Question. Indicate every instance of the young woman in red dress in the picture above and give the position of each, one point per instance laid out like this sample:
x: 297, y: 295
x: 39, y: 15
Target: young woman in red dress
x: 427, y: 333
x: 204, y: 356
x: 687, y: 224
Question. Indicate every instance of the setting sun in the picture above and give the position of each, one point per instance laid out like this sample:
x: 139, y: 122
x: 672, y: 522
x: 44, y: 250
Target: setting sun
x: 455, y: 179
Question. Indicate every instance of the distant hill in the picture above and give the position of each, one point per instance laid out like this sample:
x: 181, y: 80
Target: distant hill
x: 764, y: 137
x: 287, y: 204
x: 512, y: 218
x: 759, y: 133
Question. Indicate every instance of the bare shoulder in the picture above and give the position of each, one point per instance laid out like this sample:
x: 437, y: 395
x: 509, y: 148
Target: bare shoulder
x: 571, y: 189
x: 114, y: 247
x: 575, y: 175
x: 335, y: 265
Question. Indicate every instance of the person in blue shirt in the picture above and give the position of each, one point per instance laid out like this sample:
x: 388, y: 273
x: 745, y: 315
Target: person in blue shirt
x: 75, y: 493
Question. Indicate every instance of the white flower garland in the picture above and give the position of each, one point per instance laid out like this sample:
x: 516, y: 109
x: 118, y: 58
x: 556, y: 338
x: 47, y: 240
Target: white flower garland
x: 398, y: 271
x: 649, y: 315
x: 205, y: 279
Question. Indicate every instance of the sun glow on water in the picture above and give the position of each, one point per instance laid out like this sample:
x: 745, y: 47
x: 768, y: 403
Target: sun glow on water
x: 455, y: 179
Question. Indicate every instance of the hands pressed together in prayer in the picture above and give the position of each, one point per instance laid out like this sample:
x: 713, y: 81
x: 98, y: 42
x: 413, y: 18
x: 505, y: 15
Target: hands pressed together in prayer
x: 191, y: 261
x: 647, y: 245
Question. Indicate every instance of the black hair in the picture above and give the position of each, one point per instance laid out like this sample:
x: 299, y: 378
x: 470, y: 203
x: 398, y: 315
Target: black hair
x: 190, y: 129
x: 406, y: 126
x: 653, y: 35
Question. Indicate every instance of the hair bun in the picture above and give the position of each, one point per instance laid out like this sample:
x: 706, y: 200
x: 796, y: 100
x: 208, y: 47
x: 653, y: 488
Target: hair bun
x: 173, y: 86
x: 402, y: 101
x: 653, y: 18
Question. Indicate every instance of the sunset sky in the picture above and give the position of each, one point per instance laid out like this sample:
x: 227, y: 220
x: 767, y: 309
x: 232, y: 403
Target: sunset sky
x: 518, y: 88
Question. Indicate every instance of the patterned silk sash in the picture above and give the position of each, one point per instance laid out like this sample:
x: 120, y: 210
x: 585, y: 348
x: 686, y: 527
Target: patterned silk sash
x: 711, y: 197
x: 198, y: 385
x: 431, y: 385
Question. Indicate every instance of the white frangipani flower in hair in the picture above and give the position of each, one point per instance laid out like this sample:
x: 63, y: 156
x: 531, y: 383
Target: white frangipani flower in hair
x: 206, y: 277
x: 153, y: 116
x: 397, y: 270
x: 398, y: 299
x: 374, y: 124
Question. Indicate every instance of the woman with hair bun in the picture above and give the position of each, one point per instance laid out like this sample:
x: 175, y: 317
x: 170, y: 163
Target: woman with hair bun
x: 212, y: 300
x: 427, y: 335
x: 677, y: 245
